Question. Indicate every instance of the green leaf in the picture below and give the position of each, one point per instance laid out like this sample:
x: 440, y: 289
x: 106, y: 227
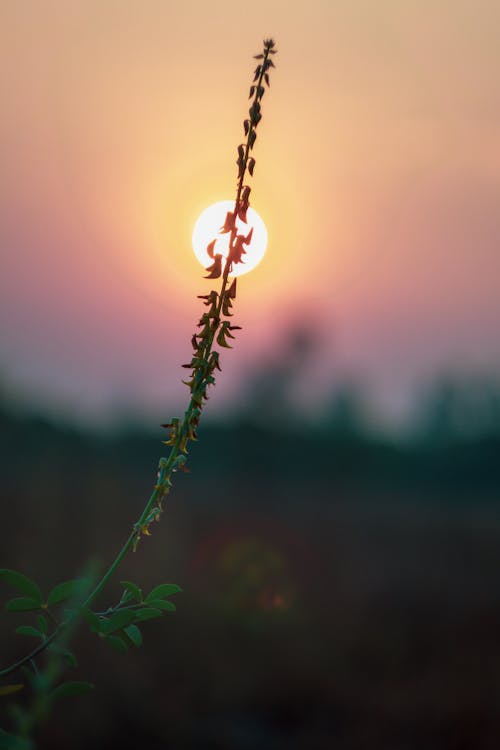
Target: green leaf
x: 23, y: 604
x: 71, y: 688
x: 119, y: 620
x: 163, y: 590
x: 21, y: 582
x: 43, y: 625
x: 63, y: 591
x: 117, y: 643
x: 69, y: 657
x: 92, y: 619
x: 165, y: 606
x: 135, y: 635
x: 28, y: 630
x: 146, y: 614
x: 9, y: 689
x: 132, y: 589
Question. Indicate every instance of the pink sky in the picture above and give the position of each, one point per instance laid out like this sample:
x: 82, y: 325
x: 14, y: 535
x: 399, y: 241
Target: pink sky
x: 378, y: 176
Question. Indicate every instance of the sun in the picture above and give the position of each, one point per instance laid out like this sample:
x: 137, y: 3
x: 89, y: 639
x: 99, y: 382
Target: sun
x: 208, y: 226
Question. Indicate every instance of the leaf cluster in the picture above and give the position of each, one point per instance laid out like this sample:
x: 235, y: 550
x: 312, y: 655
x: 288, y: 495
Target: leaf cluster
x: 117, y: 625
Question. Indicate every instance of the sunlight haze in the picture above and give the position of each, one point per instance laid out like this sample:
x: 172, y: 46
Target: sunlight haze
x: 377, y: 176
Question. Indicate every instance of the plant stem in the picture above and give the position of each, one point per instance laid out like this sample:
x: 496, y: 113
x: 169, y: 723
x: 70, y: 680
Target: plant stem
x: 198, y: 390
x: 33, y: 654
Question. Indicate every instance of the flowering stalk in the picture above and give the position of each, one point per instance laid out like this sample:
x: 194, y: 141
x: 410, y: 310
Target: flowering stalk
x: 205, y: 360
x: 117, y: 624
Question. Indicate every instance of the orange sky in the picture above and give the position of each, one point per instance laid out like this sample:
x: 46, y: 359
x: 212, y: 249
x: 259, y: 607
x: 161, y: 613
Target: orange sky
x: 378, y: 176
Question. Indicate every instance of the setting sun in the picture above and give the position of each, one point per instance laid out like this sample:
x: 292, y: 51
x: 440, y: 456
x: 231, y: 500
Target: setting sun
x: 208, y: 226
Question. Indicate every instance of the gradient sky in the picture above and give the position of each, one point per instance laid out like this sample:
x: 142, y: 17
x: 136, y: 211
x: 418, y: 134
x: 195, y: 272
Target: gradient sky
x: 378, y: 177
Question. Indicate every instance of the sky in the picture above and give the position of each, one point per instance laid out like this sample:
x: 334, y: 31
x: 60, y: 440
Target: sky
x: 377, y: 176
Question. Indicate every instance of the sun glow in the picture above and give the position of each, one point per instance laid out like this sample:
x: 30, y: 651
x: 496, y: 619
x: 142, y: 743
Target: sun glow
x: 208, y: 226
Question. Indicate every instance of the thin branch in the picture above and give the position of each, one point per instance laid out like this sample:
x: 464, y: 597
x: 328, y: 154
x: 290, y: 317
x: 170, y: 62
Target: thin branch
x: 36, y: 651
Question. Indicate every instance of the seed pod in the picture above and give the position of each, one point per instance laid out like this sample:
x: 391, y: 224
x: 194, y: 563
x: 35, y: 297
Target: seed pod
x: 228, y: 223
x: 210, y: 248
x: 215, y: 270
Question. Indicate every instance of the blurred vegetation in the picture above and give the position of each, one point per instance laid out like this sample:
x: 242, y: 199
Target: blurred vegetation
x: 341, y: 583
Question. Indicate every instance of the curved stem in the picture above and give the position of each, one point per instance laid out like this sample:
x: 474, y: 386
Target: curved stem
x: 36, y: 651
x: 167, y: 466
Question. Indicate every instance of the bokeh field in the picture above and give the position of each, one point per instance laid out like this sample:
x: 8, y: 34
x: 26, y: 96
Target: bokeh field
x: 340, y: 582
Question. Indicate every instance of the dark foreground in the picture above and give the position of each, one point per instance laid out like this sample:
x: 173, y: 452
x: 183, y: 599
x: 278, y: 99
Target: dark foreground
x: 340, y: 590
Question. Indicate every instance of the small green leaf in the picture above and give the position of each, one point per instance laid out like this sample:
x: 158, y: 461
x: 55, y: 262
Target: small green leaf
x: 117, y: 643
x: 8, y: 690
x: 21, y: 582
x: 135, y: 635
x: 164, y: 605
x: 63, y: 591
x: 71, y: 688
x: 119, y: 620
x: 146, y: 614
x: 23, y: 604
x: 28, y: 630
x: 42, y: 624
x: 163, y: 590
x: 70, y: 658
x: 134, y: 590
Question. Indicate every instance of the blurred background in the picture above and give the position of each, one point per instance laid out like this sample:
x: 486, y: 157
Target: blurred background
x: 338, y: 538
